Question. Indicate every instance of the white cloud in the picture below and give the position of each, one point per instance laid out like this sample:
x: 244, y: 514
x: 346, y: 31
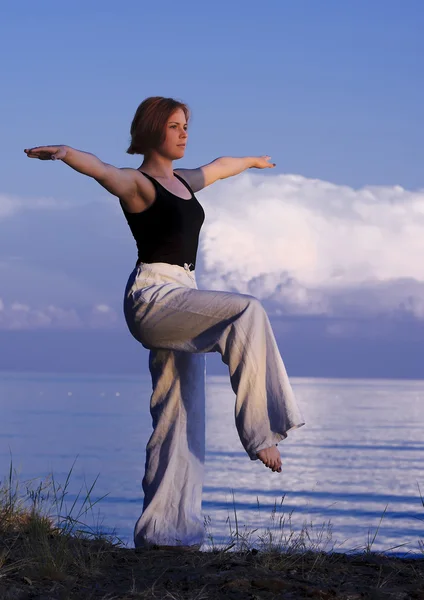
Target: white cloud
x: 22, y: 316
x: 102, y: 308
x: 312, y: 247
x: 102, y: 316
x: 10, y: 204
x: 7, y: 206
x: 19, y: 307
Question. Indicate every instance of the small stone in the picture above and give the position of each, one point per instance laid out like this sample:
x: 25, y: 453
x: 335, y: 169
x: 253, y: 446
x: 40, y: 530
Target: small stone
x: 235, y: 584
x: 271, y: 585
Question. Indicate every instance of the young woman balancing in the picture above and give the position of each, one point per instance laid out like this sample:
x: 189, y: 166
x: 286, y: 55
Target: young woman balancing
x: 167, y: 313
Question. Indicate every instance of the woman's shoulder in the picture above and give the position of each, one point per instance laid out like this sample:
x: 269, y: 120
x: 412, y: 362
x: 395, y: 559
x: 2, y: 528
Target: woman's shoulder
x: 144, y: 195
x: 191, y: 177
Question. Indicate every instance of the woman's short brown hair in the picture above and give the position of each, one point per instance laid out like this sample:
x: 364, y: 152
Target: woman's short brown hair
x: 148, y: 125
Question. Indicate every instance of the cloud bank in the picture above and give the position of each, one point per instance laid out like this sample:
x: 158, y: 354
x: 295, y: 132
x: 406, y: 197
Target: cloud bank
x: 303, y: 246
x: 19, y: 316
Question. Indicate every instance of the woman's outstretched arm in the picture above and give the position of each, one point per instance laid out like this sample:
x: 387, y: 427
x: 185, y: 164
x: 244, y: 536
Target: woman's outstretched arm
x: 117, y: 181
x: 221, y: 168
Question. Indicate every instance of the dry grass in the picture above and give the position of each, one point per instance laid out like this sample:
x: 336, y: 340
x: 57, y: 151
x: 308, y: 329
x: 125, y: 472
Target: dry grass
x: 57, y: 556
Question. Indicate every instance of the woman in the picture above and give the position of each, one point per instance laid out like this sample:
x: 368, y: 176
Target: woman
x: 167, y: 313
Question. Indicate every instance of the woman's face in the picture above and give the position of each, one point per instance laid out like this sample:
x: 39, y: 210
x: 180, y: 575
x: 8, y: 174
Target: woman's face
x: 176, y: 135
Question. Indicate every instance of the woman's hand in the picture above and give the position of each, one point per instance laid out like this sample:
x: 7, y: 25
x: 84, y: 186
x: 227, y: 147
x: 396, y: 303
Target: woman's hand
x: 262, y: 162
x: 47, y: 152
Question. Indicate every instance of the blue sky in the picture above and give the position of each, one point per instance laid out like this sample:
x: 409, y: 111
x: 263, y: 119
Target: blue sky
x: 333, y: 91
x: 330, y: 89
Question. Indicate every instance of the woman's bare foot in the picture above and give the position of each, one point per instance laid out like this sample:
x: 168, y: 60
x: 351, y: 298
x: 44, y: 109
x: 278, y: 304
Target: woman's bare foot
x: 271, y: 458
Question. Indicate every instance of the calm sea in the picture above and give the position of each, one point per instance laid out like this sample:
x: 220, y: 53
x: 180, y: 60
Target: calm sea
x: 355, y: 467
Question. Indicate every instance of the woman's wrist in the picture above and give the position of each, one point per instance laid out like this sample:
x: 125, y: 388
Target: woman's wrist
x: 252, y: 161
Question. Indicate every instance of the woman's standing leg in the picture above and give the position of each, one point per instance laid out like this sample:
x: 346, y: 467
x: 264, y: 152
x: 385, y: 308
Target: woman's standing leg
x: 175, y: 453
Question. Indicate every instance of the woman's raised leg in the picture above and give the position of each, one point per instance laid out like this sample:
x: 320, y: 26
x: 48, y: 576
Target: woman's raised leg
x: 236, y: 326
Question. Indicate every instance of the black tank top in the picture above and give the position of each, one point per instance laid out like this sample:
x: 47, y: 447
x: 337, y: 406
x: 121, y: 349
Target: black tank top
x: 168, y: 230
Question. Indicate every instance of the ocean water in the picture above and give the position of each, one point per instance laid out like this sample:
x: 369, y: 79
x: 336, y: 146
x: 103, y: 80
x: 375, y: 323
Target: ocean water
x: 355, y: 469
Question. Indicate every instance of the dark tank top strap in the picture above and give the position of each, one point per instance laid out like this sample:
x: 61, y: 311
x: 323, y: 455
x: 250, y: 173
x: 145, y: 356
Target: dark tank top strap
x: 184, y: 182
x: 152, y: 179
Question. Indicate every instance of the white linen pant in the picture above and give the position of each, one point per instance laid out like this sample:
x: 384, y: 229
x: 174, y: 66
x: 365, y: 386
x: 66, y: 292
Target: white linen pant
x: 178, y: 323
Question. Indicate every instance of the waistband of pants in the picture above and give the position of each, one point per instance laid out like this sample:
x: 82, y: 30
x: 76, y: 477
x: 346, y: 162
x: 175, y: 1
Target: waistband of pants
x: 166, y: 269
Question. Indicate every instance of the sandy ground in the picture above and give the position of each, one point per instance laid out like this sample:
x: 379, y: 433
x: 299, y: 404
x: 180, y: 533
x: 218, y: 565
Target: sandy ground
x: 100, y: 570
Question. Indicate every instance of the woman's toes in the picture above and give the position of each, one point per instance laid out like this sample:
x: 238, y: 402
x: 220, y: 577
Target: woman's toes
x: 271, y: 458
x: 277, y: 466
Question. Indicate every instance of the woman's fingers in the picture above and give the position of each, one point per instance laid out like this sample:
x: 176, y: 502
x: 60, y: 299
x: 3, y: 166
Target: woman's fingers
x: 264, y: 162
x: 40, y: 155
x: 35, y: 152
x: 46, y: 152
x: 33, y: 155
x: 268, y: 158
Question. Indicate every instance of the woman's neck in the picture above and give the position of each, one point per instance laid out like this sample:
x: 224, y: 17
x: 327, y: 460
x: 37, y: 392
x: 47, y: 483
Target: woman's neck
x: 158, y: 166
